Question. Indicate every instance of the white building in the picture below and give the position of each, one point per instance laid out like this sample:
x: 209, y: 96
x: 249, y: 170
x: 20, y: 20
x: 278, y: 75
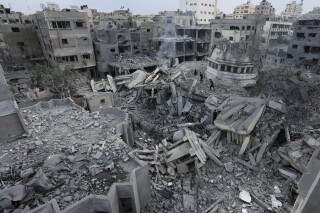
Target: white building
x: 293, y: 10
x: 204, y: 10
x: 244, y: 9
x: 277, y: 32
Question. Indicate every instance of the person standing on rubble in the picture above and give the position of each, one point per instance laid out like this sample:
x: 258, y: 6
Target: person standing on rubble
x: 211, y: 85
x: 195, y: 72
x: 201, y: 77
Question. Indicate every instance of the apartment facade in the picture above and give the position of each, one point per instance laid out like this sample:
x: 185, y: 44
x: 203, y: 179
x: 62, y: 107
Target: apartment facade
x: 275, y: 32
x: 293, y: 10
x: 247, y: 30
x: 305, y: 44
x: 19, y: 42
x: 205, y: 10
x: 244, y: 9
x: 266, y: 8
x: 66, y: 39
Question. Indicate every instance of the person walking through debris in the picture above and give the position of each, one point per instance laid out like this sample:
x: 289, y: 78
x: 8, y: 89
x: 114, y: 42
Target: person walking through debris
x: 195, y: 72
x: 201, y: 77
x: 211, y: 85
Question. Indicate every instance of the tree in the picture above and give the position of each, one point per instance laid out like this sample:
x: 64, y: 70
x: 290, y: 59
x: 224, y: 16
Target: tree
x: 59, y: 82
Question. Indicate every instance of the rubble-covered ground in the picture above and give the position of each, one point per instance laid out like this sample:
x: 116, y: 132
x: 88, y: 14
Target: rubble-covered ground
x: 73, y: 152
x: 86, y: 156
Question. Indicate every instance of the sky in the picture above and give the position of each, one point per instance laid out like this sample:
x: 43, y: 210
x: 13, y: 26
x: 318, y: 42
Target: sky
x: 142, y: 6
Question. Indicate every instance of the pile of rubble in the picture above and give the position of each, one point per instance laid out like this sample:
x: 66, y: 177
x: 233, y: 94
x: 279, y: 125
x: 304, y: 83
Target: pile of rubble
x: 67, y: 155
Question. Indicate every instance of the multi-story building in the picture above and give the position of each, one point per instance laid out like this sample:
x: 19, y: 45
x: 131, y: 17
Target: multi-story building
x: 265, y: 8
x: 89, y: 12
x: 19, y: 42
x: 246, y: 30
x: 305, y: 44
x: 7, y: 16
x: 177, y: 37
x: 275, y: 32
x: 66, y: 39
x: 205, y: 10
x: 293, y: 10
x: 244, y: 9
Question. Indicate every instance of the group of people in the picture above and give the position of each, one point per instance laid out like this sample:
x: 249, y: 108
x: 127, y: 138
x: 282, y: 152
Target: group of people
x: 201, y: 79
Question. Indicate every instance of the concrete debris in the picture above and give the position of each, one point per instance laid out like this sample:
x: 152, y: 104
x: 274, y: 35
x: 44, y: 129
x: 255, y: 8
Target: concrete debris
x: 10, y: 195
x: 40, y: 182
x: 199, y: 144
x: 245, y: 196
x: 275, y: 203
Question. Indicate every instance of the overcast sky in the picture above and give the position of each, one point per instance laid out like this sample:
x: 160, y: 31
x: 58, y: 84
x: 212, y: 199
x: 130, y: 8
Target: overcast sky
x: 142, y: 6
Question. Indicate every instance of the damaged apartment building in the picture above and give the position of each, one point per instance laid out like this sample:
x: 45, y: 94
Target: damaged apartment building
x: 19, y: 41
x: 66, y: 39
x: 169, y: 37
x: 178, y: 39
x: 304, y: 47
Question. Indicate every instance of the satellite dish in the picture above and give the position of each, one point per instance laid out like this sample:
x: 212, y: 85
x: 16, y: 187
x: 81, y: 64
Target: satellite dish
x: 43, y: 7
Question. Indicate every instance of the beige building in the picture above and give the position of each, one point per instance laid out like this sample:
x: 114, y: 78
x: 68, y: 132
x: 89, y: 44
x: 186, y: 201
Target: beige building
x: 244, y: 9
x: 66, y: 39
x: 89, y: 12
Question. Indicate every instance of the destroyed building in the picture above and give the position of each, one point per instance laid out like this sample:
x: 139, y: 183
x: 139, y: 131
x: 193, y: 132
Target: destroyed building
x: 232, y: 64
x: 304, y: 47
x: 19, y: 42
x: 66, y: 39
x: 247, y: 29
x: 174, y: 40
x: 12, y: 125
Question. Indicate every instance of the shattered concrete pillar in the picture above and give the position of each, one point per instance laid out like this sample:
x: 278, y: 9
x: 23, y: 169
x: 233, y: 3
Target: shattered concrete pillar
x: 174, y: 92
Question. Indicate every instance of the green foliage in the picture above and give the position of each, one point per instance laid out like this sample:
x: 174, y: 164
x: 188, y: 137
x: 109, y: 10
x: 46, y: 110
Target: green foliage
x: 59, y: 82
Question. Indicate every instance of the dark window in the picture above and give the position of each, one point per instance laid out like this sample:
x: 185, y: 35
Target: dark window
x: 1, y: 12
x: 306, y: 49
x: 80, y: 24
x: 86, y: 56
x: 242, y: 70
x: 217, y: 34
x: 222, y: 67
x: 300, y: 36
x: 289, y: 56
x: 61, y: 24
x: 231, y: 38
x: 148, y: 30
x: 4, y: 21
x: 229, y: 68
x: 64, y: 41
x: 113, y: 50
x: 21, y: 47
x: 235, y: 69
x: 102, y: 101
x: 248, y: 27
x: 295, y: 46
x: 312, y: 35
x: 15, y: 29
